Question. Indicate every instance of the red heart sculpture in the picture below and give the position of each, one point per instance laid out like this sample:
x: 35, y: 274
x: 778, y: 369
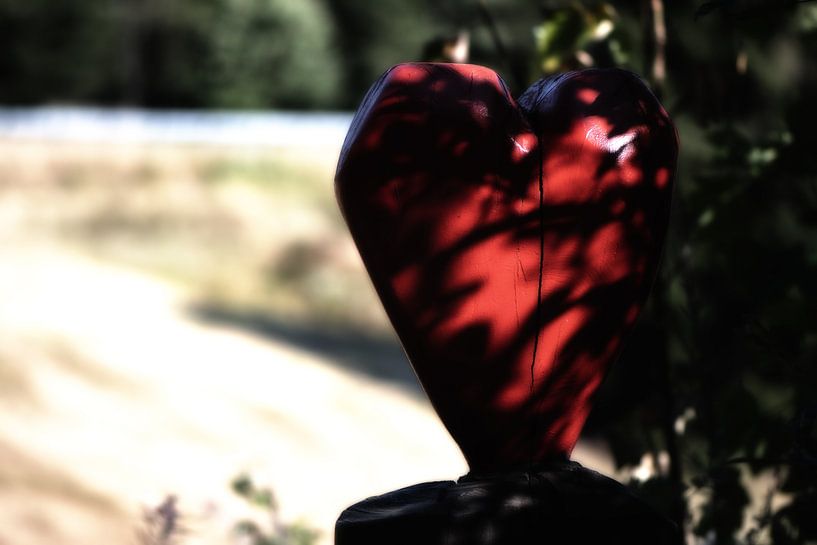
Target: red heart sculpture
x: 512, y: 245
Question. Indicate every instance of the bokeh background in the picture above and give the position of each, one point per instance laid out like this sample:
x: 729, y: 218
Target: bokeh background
x: 191, y: 352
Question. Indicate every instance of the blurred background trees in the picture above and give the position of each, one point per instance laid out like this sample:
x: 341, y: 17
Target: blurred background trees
x: 308, y: 54
x: 715, y: 399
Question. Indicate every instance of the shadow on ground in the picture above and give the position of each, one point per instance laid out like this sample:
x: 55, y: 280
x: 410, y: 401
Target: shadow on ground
x: 375, y: 356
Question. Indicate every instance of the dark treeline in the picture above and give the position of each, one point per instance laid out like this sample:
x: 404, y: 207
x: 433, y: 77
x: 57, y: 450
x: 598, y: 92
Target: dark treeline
x: 305, y: 54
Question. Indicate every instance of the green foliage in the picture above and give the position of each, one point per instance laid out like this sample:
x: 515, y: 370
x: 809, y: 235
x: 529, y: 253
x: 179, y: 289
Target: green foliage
x: 720, y: 375
x: 42, y: 44
x: 185, y: 53
x: 577, y: 35
x: 303, y: 54
x: 277, y: 533
x: 274, y: 53
x: 376, y: 35
x: 745, y: 8
x: 731, y: 324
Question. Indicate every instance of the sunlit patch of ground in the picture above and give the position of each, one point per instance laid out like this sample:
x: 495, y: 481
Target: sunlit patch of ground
x: 174, y: 316
x: 249, y: 228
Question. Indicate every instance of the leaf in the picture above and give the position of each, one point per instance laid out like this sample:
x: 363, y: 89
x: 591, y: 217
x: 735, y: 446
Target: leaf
x: 752, y: 9
x: 247, y: 528
x: 265, y: 498
x: 708, y: 7
x: 242, y: 485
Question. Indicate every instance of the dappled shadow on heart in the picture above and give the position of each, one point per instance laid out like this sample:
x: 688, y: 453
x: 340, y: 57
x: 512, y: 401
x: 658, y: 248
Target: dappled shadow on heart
x: 512, y: 245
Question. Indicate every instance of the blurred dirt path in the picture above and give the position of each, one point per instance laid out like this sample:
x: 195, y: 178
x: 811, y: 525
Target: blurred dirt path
x: 112, y: 397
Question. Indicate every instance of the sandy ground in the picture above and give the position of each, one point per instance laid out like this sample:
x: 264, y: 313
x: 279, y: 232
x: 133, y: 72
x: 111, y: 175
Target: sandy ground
x: 125, y: 399
x: 114, y: 395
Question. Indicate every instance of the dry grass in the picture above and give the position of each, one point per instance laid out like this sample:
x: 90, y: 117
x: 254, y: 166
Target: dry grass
x: 249, y: 229
x: 120, y: 384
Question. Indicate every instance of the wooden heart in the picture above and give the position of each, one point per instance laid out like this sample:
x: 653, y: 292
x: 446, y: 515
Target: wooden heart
x: 512, y: 245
